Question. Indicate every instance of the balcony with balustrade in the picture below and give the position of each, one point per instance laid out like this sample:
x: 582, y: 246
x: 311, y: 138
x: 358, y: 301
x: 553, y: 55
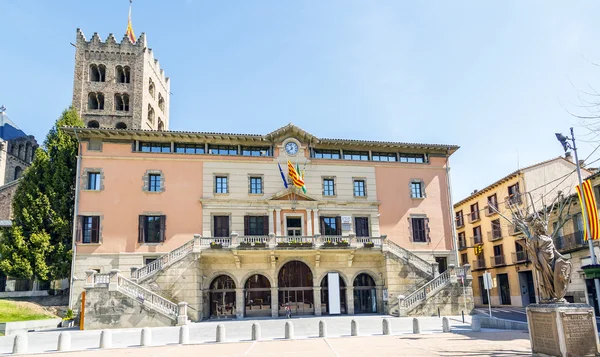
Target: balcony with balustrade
x: 570, y: 242
x: 478, y: 264
x: 491, y: 209
x: 520, y: 257
x: 498, y: 260
x: 474, y: 217
x: 317, y: 241
x: 494, y: 235
x: 462, y: 244
x: 460, y: 222
x: 476, y: 240
x: 513, y: 200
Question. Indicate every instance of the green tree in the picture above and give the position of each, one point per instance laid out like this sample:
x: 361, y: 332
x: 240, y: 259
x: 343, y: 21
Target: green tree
x: 39, y: 242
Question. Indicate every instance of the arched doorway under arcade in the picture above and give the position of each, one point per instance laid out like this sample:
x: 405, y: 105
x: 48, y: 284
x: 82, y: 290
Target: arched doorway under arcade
x: 365, y: 294
x: 222, y: 297
x: 339, y: 296
x: 257, y: 296
x: 295, y: 281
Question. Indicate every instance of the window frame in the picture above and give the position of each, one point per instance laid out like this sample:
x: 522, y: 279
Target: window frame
x: 226, y: 150
x: 154, y: 147
x: 323, y: 153
x: 260, y: 224
x: 327, y: 229
x: 325, y: 189
x: 93, y: 227
x: 158, y: 228
x: 154, y: 182
x: 360, y: 232
x: 259, y: 185
x: 95, y: 182
x: 356, y: 155
x: 421, y: 232
x: 377, y: 156
x: 364, y: 187
x: 407, y: 158
x: 421, y: 189
x: 189, y: 148
x: 221, y: 177
x: 226, y: 229
x: 252, y: 150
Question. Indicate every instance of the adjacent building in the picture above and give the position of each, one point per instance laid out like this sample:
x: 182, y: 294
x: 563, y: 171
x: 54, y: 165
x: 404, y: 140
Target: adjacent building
x: 490, y: 243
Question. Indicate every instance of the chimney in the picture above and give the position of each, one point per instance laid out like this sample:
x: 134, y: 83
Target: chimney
x: 474, y: 191
x: 582, y: 164
x: 568, y: 156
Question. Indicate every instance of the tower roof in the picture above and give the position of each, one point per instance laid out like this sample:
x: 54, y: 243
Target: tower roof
x: 8, y: 129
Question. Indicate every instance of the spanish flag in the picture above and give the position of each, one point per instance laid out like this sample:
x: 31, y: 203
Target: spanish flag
x: 296, y: 179
x: 129, y: 32
x: 590, y: 206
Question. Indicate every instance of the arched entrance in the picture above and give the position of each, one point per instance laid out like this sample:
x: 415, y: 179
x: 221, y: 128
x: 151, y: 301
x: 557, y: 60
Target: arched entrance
x: 325, y: 295
x: 222, y: 297
x: 296, y: 289
x: 365, y: 295
x: 257, y: 295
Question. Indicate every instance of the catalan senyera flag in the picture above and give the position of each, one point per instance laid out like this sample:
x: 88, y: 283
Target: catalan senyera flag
x: 590, y: 206
x: 129, y: 32
x: 296, y: 179
x: 302, y: 175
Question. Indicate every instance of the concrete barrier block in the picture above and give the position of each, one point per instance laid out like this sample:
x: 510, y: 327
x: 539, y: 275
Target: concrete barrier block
x: 20, y: 344
x: 289, y: 330
x: 322, y: 328
x: 221, y: 333
x: 146, y: 337
x: 475, y: 324
x: 445, y: 325
x: 64, y: 342
x: 256, y: 335
x: 106, y: 339
x: 387, y: 327
x: 184, y: 335
x: 416, y: 327
x: 354, y: 328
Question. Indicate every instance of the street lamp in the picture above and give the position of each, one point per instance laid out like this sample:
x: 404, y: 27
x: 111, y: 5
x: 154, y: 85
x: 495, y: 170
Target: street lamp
x: 564, y: 140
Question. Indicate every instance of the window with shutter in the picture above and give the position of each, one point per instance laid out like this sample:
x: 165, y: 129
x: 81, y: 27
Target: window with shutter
x: 419, y: 229
x: 163, y: 228
x: 246, y: 225
x: 338, y: 226
x: 361, y: 226
x: 331, y: 226
x: 89, y: 229
x: 141, y: 232
x: 255, y: 225
x: 221, y: 226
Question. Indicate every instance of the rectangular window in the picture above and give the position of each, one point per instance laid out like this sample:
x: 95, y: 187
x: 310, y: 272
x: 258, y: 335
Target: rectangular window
x: 462, y: 242
x: 477, y: 235
x: 331, y: 226
x: 359, y: 188
x: 221, y: 184
x: 93, y: 181
x: 492, y: 204
x: 496, y: 229
x: 154, y: 183
x: 256, y: 151
x: 256, y: 185
x: 90, y: 229
x: 155, y: 147
x: 361, y: 226
x: 326, y: 154
x: 464, y: 259
x: 460, y: 220
x: 328, y: 187
x: 384, y: 156
x: 419, y: 232
x: 222, y: 149
x: 152, y: 229
x: 221, y: 226
x: 514, y: 195
x: 474, y: 212
x: 356, y: 155
x: 256, y: 225
x: 416, y: 189
x: 412, y: 158
x: 189, y: 148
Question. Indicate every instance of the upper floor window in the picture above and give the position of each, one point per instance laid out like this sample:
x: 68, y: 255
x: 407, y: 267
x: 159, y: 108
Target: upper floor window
x: 475, y: 211
x: 328, y: 187
x: 256, y: 151
x: 154, y: 181
x: 220, y: 226
x: 419, y: 229
x: 189, y: 148
x: 492, y: 204
x: 18, y: 172
x: 93, y: 181
x: 161, y: 102
x: 464, y: 259
x: 256, y: 185
x: 356, y: 155
x: 152, y: 229
x: 222, y: 149
x: 123, y: 74
x: 89, y: 229
x: 359, y: 188
x: 326, y: 154
x: 150, y: 114
x: 151, y: 87
x: 514, y: 195
x: 221, y: 184
x: 417, y: 189
x: 96, y: 100
x: 161, y: 125
x: 256, y: 225
x: 384, y: 156
x: 97, y: 73
x: 412, y: 158
x: 460, y: 220
x: 155, y: 147
x: 361, y: 226
x: 462, y: 240
x: 331, y: 226
x: 122, y: 102
x: 93, y: 124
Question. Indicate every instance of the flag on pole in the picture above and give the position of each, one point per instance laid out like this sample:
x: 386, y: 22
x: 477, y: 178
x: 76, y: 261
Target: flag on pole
x: 302, y: 176
x: 590, y: 206
x: 282, y: 176
x: 129, y: 32
x: 296, y: 179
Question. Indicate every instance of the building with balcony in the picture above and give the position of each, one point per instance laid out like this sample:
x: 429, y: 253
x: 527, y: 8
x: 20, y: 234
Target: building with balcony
x: 213, y: 220
x: 490, y: 243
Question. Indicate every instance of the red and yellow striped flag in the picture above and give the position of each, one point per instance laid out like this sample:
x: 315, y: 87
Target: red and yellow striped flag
x: 592, y: 211
x: 296, y: 179
x: 129, y: 32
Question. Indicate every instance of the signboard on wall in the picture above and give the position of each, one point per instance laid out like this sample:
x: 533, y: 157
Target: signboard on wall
x: 346, y: 219
x: 333, y: 280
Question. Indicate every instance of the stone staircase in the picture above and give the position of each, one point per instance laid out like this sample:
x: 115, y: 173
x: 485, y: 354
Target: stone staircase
x: 164, y: 261
x: 411, y: 258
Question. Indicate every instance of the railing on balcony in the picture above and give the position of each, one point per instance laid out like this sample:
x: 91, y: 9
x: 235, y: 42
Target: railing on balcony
x: 211, y: 242
x: 519, y: 257
x: 491, y: 209
x: 460, y: 221
x: 570, y: 241
x: 497, y: 260
x: 474, y: 217
x: 494, y: 235
x: 101, y: 279
x: 273, y: 241
x: 478, y: 264
x: 462, y: 244
x: 475, y: 240
x: 513, y: 200
x: 514, y: 230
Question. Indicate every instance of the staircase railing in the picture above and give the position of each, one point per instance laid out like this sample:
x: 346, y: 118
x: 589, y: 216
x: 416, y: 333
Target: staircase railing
x: 163, y: 261
x: 145, y: 296
x: 410, y: 257
x: 420, y: 294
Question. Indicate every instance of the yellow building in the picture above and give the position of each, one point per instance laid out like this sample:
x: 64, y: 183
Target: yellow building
x: 489, y: 242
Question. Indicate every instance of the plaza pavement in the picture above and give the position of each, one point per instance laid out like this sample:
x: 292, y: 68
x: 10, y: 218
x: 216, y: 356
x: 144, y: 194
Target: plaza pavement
x: 370, y: 342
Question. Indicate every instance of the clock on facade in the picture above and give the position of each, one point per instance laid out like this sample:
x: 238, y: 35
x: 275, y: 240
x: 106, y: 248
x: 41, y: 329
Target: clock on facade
x: 291, y: 148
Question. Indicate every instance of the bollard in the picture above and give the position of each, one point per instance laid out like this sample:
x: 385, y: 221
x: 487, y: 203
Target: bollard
x: 387, y: 327
x: 20, y: 344
x: 322, y: 329
x: 146, y: 339
x: 289, y: 330
x: 439, y: 312
x: 354, y: 328
x: 463, y: 316
x: 64, y: 342
x: 476, y: 324
x: 256, y: 332
x: 221, y: 333
x: 416, y: 328
x: 106, y: 339
x: 184, y: 335
x: 445, y: 325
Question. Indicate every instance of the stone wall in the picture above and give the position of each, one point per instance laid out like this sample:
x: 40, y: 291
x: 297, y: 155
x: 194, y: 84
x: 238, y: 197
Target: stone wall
x: 451, y: 301
x: 7, y: 192
x: 112, y: 309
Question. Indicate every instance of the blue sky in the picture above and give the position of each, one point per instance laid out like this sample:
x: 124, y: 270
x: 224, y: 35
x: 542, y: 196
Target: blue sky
x: 497, y: 78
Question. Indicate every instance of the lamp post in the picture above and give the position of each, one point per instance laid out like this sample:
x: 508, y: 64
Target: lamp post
x: 566, y: 145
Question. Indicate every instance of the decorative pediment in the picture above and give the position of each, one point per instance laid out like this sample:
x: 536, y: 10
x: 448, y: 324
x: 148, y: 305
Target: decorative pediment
x: 291, y: 130
x: 290, y: 194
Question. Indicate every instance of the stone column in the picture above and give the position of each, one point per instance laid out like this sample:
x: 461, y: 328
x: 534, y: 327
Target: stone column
x: 317, y: 300
x: 274, y: 302
x: 379, y: 297
x: 452, y: 272
x: 271, y: 227
x: 350, y: 299
x: 182, y: 313
x: 89, y: 278
x: 435, y: 269
x: 278, y: 222
x: 239, y: 303
x: 317, y: 223
x: 113, y: 283
x: 197, y: 243
x: 309, y: 230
